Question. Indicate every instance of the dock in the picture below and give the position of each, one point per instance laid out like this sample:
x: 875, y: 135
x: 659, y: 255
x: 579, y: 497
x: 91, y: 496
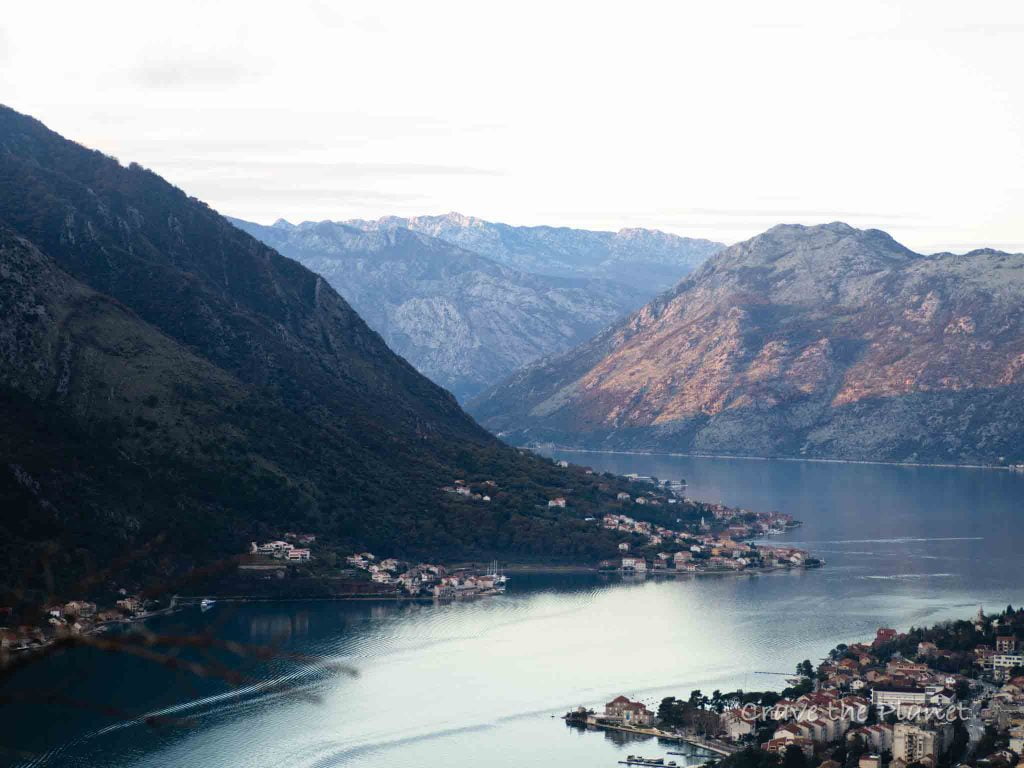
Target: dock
x: 709, y: 745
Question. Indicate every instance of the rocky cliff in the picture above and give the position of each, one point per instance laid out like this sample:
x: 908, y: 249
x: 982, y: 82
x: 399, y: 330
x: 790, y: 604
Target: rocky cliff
x: 461, y: 319
x: 822, y: 341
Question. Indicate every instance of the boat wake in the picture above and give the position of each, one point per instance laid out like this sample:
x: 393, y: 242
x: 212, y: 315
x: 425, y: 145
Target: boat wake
x: 896, y: 540
x: 902, y: 576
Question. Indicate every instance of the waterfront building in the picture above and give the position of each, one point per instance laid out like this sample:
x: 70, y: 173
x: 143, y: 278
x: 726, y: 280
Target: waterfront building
x: 628, y: 712
x: 80, y: 609
x: 634, y: 564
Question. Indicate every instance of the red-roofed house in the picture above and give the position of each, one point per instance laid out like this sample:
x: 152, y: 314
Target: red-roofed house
x: 628, y: 712
x: 884, y: 635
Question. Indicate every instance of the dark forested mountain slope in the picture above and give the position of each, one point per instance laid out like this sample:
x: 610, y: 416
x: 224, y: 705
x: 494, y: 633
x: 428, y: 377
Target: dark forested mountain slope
x: 822, y: 341
x: 171, y: 388
x: 463, y: 320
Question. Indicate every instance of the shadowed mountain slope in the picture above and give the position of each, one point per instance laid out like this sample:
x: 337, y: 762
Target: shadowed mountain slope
x: 172, y: 388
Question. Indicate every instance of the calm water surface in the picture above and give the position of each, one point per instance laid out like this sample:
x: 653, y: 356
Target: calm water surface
x: 463, y: 684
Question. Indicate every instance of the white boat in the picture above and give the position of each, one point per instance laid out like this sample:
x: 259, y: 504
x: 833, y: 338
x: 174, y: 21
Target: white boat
x: 499, y: 578
x: 206, y: 603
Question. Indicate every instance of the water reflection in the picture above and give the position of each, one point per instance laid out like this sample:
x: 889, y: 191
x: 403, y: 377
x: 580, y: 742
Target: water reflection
x: 452, y: 685
x: 278, y: 628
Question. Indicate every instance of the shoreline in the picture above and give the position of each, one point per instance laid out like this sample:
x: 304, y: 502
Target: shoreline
x: 194, y: 599
x: 521, y: 569
x: 180, y: 602
x: 548, y: 569
x: 740, y: 457
x: 679, y: 738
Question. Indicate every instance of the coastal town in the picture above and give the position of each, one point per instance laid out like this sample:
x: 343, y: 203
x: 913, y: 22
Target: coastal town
x: 705, y: 538
x: 721, y: 546
x: 653, y: 527
x: 945, y: 696
x: 75, y: 617
x: 429, y: 580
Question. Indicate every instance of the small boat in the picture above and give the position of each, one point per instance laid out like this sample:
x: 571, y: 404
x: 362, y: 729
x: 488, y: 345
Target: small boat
x: 500, y: 579
x: 206, y: 603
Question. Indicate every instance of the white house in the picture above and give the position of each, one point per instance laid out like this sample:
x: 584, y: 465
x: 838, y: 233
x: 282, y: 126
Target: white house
x: 737, y: 723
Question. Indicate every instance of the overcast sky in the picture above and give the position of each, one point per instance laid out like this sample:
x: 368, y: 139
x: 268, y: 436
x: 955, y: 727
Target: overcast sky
x: 709, y: 119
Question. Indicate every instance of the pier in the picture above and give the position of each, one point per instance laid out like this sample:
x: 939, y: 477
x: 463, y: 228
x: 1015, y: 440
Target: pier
x: 714, y: 746
x: 710, y: 745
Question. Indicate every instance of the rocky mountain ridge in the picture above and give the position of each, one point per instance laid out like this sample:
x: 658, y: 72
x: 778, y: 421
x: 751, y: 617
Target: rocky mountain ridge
x: 825, y: 341
x: 461, y: 319
x: 648, y: 260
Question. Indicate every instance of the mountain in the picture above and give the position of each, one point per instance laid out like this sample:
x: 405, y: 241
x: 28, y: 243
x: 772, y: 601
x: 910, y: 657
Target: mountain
x: 648, y: 260
x: 171, y: 388
x: 463, y: 320
x: 824, y: 341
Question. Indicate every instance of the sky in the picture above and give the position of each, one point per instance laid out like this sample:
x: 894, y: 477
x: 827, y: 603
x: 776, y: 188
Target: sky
x: 713, y: 120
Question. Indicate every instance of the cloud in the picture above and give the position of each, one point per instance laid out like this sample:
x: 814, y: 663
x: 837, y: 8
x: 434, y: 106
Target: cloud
x: 240, y: 189
x: 782, y: 212
x: 194, y: 74
x: 263, y: 166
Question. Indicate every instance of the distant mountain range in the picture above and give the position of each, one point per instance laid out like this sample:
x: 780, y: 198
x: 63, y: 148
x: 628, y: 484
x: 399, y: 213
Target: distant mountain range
x: 648, y: 260
x: 823, y: 341
x: 463, y: 320
x: 468, y: 320
x: 171, y: 388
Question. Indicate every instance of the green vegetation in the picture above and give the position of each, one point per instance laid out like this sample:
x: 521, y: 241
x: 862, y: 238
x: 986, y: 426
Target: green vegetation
x: 171, y: 390
x: 752, y: 757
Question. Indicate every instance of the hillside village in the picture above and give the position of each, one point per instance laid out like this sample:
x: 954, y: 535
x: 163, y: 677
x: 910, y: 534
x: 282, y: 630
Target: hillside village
x: 691, y: 537
x: 654, y: 528
x: 74, y: 617
x: 949, y: 695
x: 677, y: 551
x: 427, y: 579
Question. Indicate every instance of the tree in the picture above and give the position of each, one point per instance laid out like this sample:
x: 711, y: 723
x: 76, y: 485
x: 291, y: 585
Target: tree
x: 751, y: 757
x: 854, y: 749
x: 672, y: 711
x: 716, y: 701
x: 805, y: 668
x: 794, y: 758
